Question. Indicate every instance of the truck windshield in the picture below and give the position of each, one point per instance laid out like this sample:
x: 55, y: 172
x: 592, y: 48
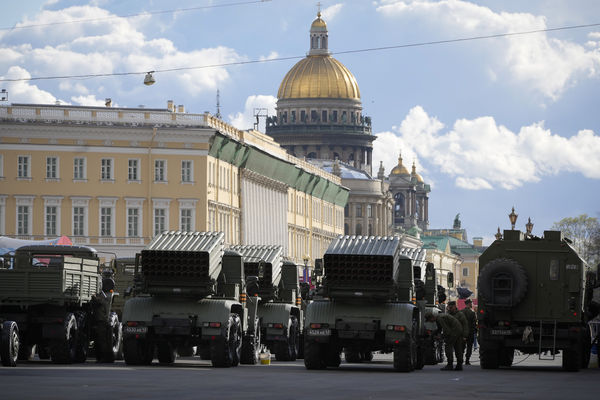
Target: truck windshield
x: 42, y: 260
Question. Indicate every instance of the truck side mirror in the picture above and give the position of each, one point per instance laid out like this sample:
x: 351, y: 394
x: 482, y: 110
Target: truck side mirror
x: 261, y: 269
x: 450, y: 279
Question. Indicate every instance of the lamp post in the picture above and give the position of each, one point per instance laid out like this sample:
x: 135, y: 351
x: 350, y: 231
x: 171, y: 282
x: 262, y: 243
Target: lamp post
x: 529, y: 226
x: 513, y: 218
x: 305, y: 259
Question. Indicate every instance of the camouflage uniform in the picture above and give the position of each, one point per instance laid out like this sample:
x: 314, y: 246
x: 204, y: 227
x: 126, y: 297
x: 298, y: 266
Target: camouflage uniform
x: 472, y: 323
x: 453, y: 338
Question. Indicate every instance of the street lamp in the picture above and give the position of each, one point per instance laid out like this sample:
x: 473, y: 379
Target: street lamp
x: 149, y: 79
x: 498, y: 234
x: 529, y: 227
x: 513, y: 218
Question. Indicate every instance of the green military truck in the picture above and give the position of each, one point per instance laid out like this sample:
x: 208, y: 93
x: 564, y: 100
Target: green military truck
x: 60, y: 303
x: 532, y: 295
x: 367, y: 304
x: 279, y: 308
x: 190, y: 292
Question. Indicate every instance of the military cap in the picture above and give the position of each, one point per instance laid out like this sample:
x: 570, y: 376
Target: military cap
x: 468, y: 301
x: 452, y: 303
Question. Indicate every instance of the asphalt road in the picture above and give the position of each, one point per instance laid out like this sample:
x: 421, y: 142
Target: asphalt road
x: 192, y: 378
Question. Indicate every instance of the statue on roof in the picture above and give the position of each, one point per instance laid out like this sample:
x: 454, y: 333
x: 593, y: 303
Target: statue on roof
x: 456, y: 222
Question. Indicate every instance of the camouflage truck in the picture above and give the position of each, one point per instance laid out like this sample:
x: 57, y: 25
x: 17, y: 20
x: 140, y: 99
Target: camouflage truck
x: 532, y: 298
x: 279, y: 307
x: 367, y: 304
x: 190, y: 293
x: 60, y: 303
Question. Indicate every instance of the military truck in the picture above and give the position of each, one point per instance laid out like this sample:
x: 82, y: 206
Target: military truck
x: 60, y: 303
x: 123, y: 269
x: 279, y: 308
x: 531, y: 299
x: 368, y: 291
x: 190, y: 292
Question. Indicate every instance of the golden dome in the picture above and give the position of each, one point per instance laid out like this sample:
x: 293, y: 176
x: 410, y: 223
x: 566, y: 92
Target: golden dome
x: 319, y: 76
x: 399, y: 169
x: 318, y: 23
x: 417, y: 176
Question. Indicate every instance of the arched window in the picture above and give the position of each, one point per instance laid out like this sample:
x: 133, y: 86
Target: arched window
x: 399, y: 208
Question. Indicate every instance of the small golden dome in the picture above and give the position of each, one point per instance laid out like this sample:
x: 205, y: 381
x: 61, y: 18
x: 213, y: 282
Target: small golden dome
x: 417, y: 176
x: 399, y: 169
x: 319, y: 76
x: 318, y: 23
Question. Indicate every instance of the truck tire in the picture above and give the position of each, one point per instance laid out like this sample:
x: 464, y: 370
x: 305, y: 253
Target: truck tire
x: 287, y: 350
x: 251, y: 346
x: 405, y: 356
x: 83, y: 340
x: 332, y: 355
x: 506, y: 356
x: 108, y: 339
x: 420, y: 362
x: 507, y: 268
x: 165, y: 352
x: 204, y: 352
x: 366, y: 355
x: 572, y: 358
x: 63, y: 350
x: 137, y: 351
x: 225, y: 352
x: 9, y: 344
x: 488, y: 356
x: 313, y: 355
x: 352, y: 355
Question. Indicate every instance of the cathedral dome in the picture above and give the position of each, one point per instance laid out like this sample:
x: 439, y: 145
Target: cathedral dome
x: 319, y: 76
x: 399, y: 169
x: 318, y: 23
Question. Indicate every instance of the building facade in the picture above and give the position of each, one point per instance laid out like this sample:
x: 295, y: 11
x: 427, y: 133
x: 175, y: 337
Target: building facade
x: 113, y: 178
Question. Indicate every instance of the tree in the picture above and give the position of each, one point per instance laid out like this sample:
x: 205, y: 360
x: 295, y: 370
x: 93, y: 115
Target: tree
x: 584, y: 232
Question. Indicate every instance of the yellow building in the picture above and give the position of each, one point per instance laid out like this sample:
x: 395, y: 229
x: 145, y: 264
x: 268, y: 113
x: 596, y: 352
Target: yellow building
x: 112, y: 178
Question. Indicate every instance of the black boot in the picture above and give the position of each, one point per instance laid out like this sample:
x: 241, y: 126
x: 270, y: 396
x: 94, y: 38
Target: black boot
x: 458, y: 367
x: 467, y: 362
x: 447, y: 368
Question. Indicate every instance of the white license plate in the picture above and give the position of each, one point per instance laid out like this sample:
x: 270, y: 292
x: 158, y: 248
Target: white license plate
x: 319, y: 332
x: 501, y: 332
x: 135, y: 329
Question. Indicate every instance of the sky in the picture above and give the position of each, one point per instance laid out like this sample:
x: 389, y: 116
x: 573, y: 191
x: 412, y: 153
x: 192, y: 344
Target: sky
x: 490, y: 123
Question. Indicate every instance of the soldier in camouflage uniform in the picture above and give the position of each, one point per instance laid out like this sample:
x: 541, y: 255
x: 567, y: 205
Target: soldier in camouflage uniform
x: 453, y: 337
x: 472, y: 323
x: 453, y: 310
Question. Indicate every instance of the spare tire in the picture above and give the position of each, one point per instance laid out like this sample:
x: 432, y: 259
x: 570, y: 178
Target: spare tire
x: 505, y: 272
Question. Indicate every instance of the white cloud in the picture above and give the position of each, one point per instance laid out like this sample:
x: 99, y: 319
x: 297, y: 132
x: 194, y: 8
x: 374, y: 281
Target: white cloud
x: 546, y: 65
x: 246, y: 118
x: 272, y: 55
x: 480, y: 154
x: 330, y: 12
x: 23, y: 91
x: 89, y: 100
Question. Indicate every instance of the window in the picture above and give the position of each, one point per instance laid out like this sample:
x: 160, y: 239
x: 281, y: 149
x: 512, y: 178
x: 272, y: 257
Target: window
x: 23, y: 167
x: 160, y: 220
x: 369, y: 211
x: 186, y: 220
x: 465, y: 271
x: 335, y: 116
x: 324, y: 115
x: 79, y: 168
x: 106, y: 169
x: 186, y: 171
x: 293, y: 117
x: 302, y: 115
x: 133, y: 220
x: 133, y: 173
x: 358, y: 210
x: 105, y: 221
x: 358, y: 229
x: 51, y: 220
x: 160, y: 173
x: 78, y: 221
x: 23, y: 220
x: 51, y: 168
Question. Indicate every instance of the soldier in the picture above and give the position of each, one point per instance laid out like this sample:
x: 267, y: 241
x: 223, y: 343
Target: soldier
x: 452, y: 333
x: 472, y: 323
x: 453, y: 310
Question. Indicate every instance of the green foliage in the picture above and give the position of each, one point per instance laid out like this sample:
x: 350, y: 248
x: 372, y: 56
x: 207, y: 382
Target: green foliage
x: 584, y: 231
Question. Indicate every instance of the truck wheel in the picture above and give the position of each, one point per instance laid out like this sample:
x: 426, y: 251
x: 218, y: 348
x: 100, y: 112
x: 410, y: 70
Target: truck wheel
x: 503, y: 268
x: 63, y: 350
x: 488, y: 356
x: 225, y: 352
x: 366, y: 355
x: 165, y: 352
x: 287, y: 350
x: 108, y: 339
x: 507, y: 356
x: 204, y: 352
x: 251, y: 346
x: 405, y: 357
x: 83, y: 340
x: 313, y: 355
x: 9, y: 344
x: 137, y: 352
x: 352, y: 355
x: 572, y: 358
x: 332, y: 355
x: 420, y: 362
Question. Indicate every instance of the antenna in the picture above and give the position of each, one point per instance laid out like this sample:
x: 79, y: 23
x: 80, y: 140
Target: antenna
x: 218, y: 114
x: 259, y: 112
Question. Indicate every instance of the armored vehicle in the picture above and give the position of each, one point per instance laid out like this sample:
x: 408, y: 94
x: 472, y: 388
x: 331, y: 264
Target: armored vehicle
x: 368, y: 291
x: 190, y: 292
x: 531, y: 299
x: 60, y: 303
x: 279, y: 308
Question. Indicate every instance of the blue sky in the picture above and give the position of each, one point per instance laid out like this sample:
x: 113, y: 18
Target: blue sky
x: 490, y: 123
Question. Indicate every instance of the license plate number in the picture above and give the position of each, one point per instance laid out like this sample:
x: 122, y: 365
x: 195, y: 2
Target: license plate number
x: 135, y: 329
x: 501, y: 332
x: 319, y: 332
